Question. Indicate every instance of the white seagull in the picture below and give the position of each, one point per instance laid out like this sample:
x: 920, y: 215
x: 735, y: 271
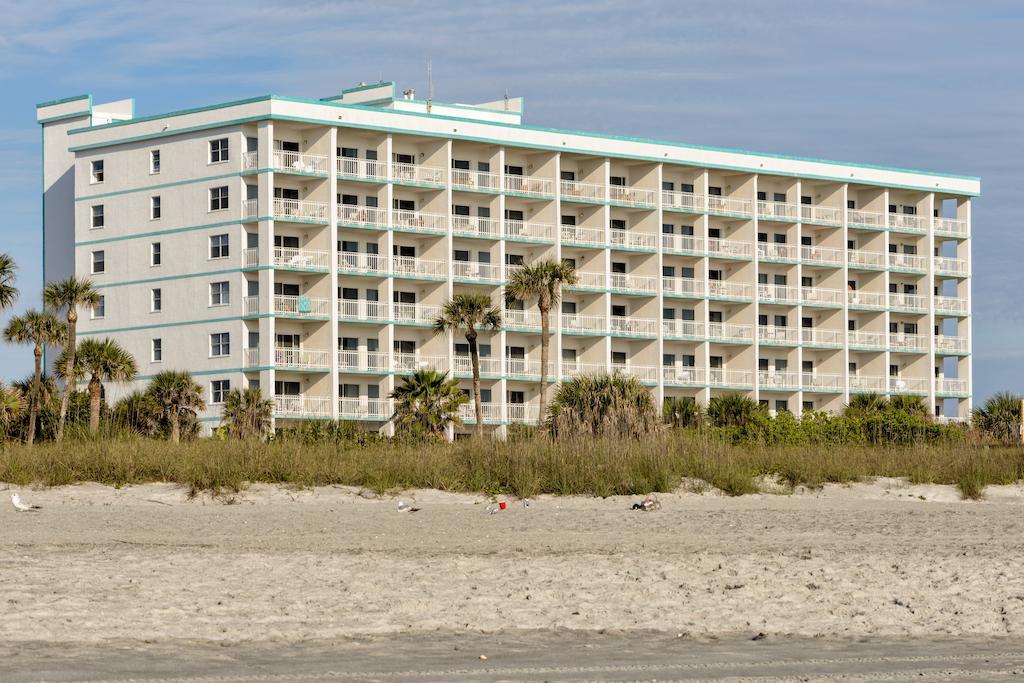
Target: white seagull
x: 21, y: 507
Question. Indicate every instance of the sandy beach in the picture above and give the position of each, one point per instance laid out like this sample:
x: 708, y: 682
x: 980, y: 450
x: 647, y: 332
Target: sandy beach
x: 146, y: 563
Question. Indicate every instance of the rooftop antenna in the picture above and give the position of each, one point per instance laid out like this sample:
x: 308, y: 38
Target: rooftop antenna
x: 506, y: 99
x: 430, y: 86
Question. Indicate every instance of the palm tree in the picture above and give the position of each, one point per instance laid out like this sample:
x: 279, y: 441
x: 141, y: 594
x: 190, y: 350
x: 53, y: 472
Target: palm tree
x: 8, y: 292
x: 999, y: 417
x: 137, y: 411
x: 909, y: 404
x: 12, y: 406
x: 865, y: 404
x: 681, y: 411
x: 602, y: 405
x: 178, y: 396
x: 467, y: 313
x: 100, y: 360
x: 40, y: 329
x: 69, y: 294
x: 247, y: 414
x: 542, y: 281
x: 733, y: 410
x: 427, y: 402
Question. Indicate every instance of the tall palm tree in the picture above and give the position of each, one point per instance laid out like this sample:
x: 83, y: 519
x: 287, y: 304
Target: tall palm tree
x: 467, y: 313
x: 247, y: 415
x: 40, y: 329
x: 69, y: 295
x: 101, y: 360
x: 178, y: 395
x: 733, y: 410
x: 999, y: 417
x: 542, y: 281
x: 8, y: 292
x: 615, y: 406
x: 427, y: 402
x: 12, y: 407
x: 138, y: 412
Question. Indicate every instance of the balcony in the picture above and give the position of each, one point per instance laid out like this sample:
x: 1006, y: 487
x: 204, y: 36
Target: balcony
x: 632, y: 196
x: 821, y: 215
x: 683, y: 376
x: 729, y: 248
x: 361, y: 310
x: 721, y: 289
x: 301, y: 307
x: 871, y: 341
x: 298, y: 162
x: 778, y: 380
x: 418, y: 221
x: 950, y: 305
x: 361, y: 408
x: 573, y: 190
x: 950, y: 344
x: 778, y: 294
x: 362, y: 169
x: 778, y: 336
x: 528, y: 232
x: 497, y: 413
x: 727, y: 206
x: 476, y: 226
x: 574, y: 368
x: 955, y: 267
x: 529, y: 187
x: 868, y: 260
x: 909, y: 385
x: 648, y: 374
x: 512, y: 319
x: 632, y: 239
x: 902, y: 222
x: 414, y: 174
x: 777, y: 211
x: 300, y: 211
x: 474, y: 181
x: 489, y: 367
x: 633, y: 327
x: 362, y: 216
x: 821, y: 338
x: 730, y: 333
x: 907, y: 302
x: 589, y: 281
x: 772, y: 251
x: 408, y: 363
x: 686, y: 287
x: 312, y: 360
x: 730, y: 379
x: 682, y: 329
x: 682, y: 244
x: 526, y: 369
x: 297, y: 405
x: 952, y: 227
x: 633, y: 284
x: 356, y: 263
x: 863, y: 299
x: 473, y: 271
x: 373, y: 362
x: 820, y: 296
x: 573, y: 323
x: 822, y: 256
x: 866, y: 384
x: 908, y: 343
x: 418, y: 269
x: 908, y: 263
x: 298, y: 259
x: 683, y: 201
x: 816, y: 382
x: 946, y: 386
x: 415, y: 314
x: 522, y: 413
x: 865, y: 219
x: 583, y: 237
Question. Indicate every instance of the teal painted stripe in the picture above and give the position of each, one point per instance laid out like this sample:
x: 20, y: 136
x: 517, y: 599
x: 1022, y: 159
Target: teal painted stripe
x: 183, y: 323
x: 529, y: 146
x: 150, y: 188
x: 53, y: 119
x: 205, y: 373
x: 157, y: 233
x: 65, y: 100
x: 185, y: 276
x: 163, y: 134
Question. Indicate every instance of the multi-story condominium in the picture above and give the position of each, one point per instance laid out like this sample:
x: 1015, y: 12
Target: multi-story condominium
x: 305, y: 246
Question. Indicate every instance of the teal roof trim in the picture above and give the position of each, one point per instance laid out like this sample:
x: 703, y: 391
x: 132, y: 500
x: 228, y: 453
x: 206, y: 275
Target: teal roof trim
x: 65, y: 100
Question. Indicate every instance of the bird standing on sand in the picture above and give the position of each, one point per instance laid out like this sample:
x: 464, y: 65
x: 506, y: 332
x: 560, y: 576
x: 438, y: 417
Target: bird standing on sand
x: 21, y: 507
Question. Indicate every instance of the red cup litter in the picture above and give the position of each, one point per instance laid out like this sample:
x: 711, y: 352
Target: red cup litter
x: 501, y: 505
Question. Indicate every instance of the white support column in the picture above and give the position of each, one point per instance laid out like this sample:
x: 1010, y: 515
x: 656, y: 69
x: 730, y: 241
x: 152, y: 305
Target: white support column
x: 799, y: 306
x: 606, y: 212
x: 969, y: 294
x: 332, y: 262
x: 757, y: 298
x: 660, y: 359
x: 556, y: 347
x: 930, y: 285
x: 388, y: 294
x: 886, y: 275
x: 846, y: 296
x: 265, y: 212
x: 703, y: 270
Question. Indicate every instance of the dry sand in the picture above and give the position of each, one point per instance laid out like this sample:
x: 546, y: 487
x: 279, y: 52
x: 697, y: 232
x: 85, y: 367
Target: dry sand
x: 145, y: 563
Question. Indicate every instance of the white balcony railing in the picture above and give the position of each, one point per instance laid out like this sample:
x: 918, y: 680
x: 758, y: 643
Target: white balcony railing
x: 574, y: 368
x: 908, y: 343
x: 946, y: 265
x: 771, y: 251
x: 591, y: 237
x: 464, y: 179
x: 729, y: 248
x: 534, y: 232
x: 866, y: 383
x: 864, y: 299
x: 250, y: 161
x: 414, y: 174
x: 821, y: 255
x: 250, y: 208
x: 778, y: 294
x: 645, y: 373
x: 362, y: 263
x: 364, y: 361
x: 683, y: 375
x: 865, y: 219
x: 909, y: 385
x: 683, y: 201
x: 771, y: 334
x: 729, y: 206
x: 492, y: 413
x: 823, y: 215
x: 526, y: 185
x: 250, y: 257
x: 632, y: 239
x: 951, y: 305
x: 633, y: 327
x: 302, y: 359
x: 368, y: 216
x: 777, y: 211
x: 866, y: 340
x: 591, y: 281
x: 951, y: 226
x: 584, y: 324
x: 251, y: 305
x: 632, y: 283
x: 416, y: 314
x: 251, y: 356
x: 908, y: 222
x: 729, y: 332
x: 820, y: 296
x: 361, y: 309
x: 376, y: 409
x: 512, y: 319
x: 631, y: 196
x: 414, y: 267
x: 300, y: 210
x: 911, y: 262
x: 682, y: 329
x: 952, y: 386
x: 682, y: 286
x: 778, y: 379
x: 950, y: 344
x: 476, y: 226
x: 420, y: 222
x: 575, y: 190
x: 301, y: 306
x: 722, y: 289
x: 682, y: 244
x: 300, y: 259
x: 474, y: 271
x: 721, y: 377
x: 816, y: 336
x: 907, y: 302
x: 301, y: 406
x: 362, y: 169
x: 523, y: 413
x: 814, y: 381
x: 408, y: 363
x: 299, y: 162
x: 865, y: 259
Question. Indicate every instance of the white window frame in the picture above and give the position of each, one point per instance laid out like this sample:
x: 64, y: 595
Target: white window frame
x: 155, y: 213
x: 155, y: 255
x: 101, y: 214
x: 223, y: 290
x: 222, y: 154
x: 156, y: 350
x: 224, y: 391
x: 154, y: 162
x: 224, y: 248
x: 222, y: 200
x: 102, y: 261
x: 223, y: 341
x: 156, y: 300
x: 94, y: 177
x: 99, y: 311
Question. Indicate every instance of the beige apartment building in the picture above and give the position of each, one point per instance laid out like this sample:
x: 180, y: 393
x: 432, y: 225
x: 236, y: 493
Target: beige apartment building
x: 305, y: 246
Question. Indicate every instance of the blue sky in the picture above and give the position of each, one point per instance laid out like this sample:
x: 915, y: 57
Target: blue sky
x: 927, y: 85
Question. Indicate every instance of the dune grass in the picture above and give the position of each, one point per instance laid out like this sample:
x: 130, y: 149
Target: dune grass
x: 529, y: 467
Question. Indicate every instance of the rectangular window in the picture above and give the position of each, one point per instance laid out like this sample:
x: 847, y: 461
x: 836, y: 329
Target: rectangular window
x: 157, y: 353
x: 218, y: 198
x: 220, y: 344
x: 154, y: 161
x: 219, y: 246
x: 97, y: 171
x: 218, y: 150
x: 219, y: 389
x: 154, y: 207
x: 100, y: 309
x: 220, y: 293
x: 154, y: 254
x: 97, y: 216
x: 156, y: 300
x: 99, y: 263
